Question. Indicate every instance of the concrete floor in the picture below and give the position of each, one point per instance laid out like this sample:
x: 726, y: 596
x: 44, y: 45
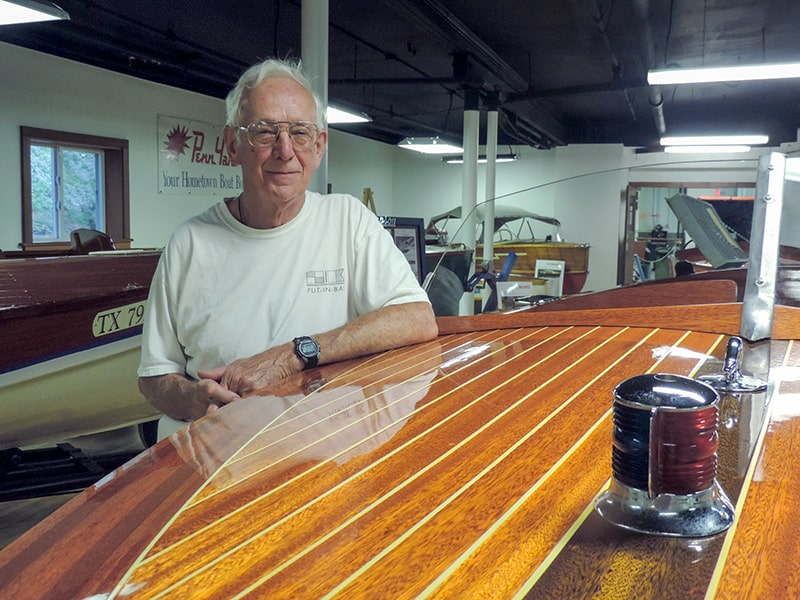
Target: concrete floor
x: 18, y: 516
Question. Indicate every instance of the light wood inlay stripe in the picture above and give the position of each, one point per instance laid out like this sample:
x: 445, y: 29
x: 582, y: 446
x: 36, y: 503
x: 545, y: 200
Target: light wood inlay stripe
x: 394, y: 452
x: 604, y: 561
x: 521, y: 546
x: 471, y: 550
x: 401, y: 539
x: 287, y: 540
x: 768, y: 505
x: 542, y: 568
x: 261, y: 453
x: 145, y: 559
x: 310, y: 471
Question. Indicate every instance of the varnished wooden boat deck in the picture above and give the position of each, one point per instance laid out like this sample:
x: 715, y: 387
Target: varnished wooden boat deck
x: 461, y: 468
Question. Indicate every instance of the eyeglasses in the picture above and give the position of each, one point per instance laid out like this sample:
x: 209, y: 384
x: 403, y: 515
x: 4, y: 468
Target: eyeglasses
x: 265, y: 133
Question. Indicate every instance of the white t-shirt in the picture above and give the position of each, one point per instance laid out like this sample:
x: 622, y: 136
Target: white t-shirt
x: 224, y: 291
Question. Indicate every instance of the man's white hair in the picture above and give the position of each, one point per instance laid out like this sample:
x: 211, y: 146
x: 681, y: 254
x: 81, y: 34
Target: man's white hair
x: 236, y: 102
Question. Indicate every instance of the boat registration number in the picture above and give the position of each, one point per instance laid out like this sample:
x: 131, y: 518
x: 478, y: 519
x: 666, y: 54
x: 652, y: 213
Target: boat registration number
x: 118, y: 319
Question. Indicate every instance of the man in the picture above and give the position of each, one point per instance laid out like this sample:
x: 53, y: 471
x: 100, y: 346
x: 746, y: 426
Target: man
x: 683, y: 267
x: 262, y: 285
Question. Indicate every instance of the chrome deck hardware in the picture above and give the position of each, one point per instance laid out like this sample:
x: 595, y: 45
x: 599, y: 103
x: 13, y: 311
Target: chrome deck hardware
x: 732, y: 380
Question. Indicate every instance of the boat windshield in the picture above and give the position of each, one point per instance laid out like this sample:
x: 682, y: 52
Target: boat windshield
x: 511, y: 224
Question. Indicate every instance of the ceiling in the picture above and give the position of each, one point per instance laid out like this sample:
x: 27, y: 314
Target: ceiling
x: 560, y: 71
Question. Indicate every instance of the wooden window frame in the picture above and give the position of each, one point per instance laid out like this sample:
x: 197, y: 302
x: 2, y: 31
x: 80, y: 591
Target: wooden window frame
x: 116, y: 182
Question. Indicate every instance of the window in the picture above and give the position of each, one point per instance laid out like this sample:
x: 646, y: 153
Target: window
x: 72, y: 181
x: 66, y: 191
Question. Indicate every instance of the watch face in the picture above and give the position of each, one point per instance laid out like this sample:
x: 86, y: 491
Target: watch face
x: 308, y: 350
x: 308, y: 347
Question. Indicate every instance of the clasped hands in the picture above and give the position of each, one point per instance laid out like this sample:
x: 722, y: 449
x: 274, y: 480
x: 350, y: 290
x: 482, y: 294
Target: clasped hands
x: 222, y: 385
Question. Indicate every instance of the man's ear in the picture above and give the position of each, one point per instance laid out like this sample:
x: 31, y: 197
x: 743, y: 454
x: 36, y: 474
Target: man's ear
x: 321, y: 144
x: 231, y: 145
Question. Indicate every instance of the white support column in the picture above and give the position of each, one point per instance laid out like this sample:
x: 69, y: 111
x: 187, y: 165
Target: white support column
x: 314, y: 53
x: 491, y: 168
x: 469, y: 185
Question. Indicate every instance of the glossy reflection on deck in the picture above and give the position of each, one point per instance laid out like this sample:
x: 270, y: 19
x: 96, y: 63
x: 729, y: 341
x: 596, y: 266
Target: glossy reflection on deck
x: 359, y: 444
x: 462, y: 468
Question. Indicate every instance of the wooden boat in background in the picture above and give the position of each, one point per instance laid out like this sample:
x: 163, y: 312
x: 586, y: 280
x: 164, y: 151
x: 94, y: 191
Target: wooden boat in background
x: 71, y: 331
x: 575, y: 257
x: 464, y: 467
x: 519, y: 231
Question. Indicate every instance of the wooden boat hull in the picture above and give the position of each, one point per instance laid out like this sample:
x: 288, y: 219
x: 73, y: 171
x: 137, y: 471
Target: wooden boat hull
x: 575, y: 257
x: 74, y: 329
x: 80, y: 394
x: 460, y: 468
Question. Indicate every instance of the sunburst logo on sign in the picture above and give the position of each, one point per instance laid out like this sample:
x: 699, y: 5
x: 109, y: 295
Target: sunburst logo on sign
x: 176, y: 142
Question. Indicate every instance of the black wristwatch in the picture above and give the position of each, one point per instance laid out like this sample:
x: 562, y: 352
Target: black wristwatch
x: 307, y: 348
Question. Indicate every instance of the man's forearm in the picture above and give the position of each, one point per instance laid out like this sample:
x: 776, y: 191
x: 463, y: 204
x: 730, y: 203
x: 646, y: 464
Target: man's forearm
x: 174, y: 395
x: 385, y: 328
x: 388, y: 327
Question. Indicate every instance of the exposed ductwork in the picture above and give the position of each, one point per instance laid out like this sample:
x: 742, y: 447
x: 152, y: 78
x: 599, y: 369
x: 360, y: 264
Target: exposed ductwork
x: 642, y: 9
x: 484, y: 65
x: 564, y: 72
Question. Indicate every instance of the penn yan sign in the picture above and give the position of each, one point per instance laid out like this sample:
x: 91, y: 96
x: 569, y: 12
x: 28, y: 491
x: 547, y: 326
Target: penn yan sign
x: 192, y: 159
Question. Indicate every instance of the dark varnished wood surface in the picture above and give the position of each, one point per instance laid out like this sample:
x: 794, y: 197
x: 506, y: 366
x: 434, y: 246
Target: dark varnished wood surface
x: 710, y: 318
x: 47, y: 305
x: 656, y: 293
x: 31, y: 285
x: 461, y: 468
x: 707, y: 287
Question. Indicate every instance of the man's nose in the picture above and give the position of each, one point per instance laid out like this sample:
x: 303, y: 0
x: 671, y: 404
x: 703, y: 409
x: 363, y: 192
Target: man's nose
x: 283, y: 145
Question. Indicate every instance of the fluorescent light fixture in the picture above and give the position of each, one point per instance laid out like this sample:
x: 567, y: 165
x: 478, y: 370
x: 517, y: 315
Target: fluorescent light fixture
x: 29, y: 11
x: 459, y: 159
x: 717, y: 74
x: 713, y: 140
x: 334, y: 115
x: 706, y: 149
x: 429, y: 145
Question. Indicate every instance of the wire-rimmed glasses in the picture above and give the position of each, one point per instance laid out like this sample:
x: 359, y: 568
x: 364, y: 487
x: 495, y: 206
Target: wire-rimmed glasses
x: 265, y: 133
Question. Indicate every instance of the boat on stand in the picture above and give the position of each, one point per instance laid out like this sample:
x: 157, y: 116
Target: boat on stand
x: 521, y: 454
x: 71, y: 329
x: 531, y: 237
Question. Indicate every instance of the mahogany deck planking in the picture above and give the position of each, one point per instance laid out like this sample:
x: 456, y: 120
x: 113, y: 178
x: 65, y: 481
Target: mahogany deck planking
x: 463, y: 467
x: 455, y: 468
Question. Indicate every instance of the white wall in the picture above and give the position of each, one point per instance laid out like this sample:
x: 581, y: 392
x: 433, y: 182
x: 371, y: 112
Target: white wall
x: 356, y: 163
x: 582, y: 186
x: 429, y: 186
x: 38, y: 90
x: 579, y: 185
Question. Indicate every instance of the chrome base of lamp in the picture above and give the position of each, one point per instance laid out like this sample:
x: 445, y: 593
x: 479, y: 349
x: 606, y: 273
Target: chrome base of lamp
x: 691, y: 515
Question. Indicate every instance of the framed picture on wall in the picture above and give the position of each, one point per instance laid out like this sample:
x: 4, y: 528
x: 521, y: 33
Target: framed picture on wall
x: 409, y: 237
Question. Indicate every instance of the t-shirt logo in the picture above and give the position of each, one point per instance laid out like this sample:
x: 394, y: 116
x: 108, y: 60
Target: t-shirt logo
x: 325, y: 281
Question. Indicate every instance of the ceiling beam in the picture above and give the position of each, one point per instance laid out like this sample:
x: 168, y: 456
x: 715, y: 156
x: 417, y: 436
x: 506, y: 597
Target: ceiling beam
x: 439, y: 22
